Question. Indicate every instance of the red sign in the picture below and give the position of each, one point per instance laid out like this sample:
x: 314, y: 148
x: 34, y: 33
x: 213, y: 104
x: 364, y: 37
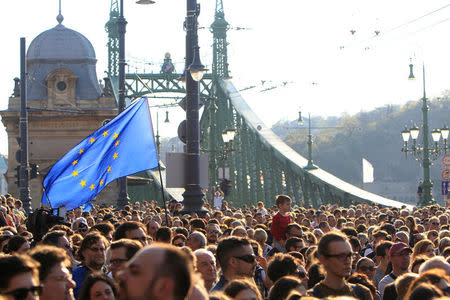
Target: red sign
x: 446, y: 174
x: 446, y: 160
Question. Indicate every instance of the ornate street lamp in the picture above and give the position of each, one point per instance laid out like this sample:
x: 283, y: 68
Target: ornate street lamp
x: 300, y: 119
x: 227, y: 137
x: 310, y: 165
x: 197, y: 69
x: 423, y: 152
x: 193, y: 195
x: 122, y: 23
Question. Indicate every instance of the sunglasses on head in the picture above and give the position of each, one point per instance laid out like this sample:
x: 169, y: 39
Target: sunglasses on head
x: 249, y: 258
x: 22, y: 293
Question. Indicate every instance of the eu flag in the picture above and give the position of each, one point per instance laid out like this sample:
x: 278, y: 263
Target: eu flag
x: 123, y: 146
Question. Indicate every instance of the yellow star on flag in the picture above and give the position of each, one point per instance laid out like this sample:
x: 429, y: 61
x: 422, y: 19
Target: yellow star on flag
x: 83, y: 183
x: 116, y: 135
x: 92, y: 187
x: 92, y: 140
x: 81, y: 151
x: 75, y: 173
x: 105, y: 133
x: 74, y: 162
x: 109, y: 169
x: 115, y: 155
x: 101, y: 182
x: 117, y: 143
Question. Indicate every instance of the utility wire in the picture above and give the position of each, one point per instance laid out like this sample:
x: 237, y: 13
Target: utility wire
x: 432, y: 25
x: 384, y: 33
x: 416, y: 19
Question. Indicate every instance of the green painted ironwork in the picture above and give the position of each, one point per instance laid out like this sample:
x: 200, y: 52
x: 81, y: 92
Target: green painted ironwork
x: 112, y: 28
x: 261, y: 165
x: 142, y: 84
x: 219, y: 29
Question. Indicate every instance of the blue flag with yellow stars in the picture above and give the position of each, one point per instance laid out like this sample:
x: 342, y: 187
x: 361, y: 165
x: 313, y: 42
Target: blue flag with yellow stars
x: 124, y: 146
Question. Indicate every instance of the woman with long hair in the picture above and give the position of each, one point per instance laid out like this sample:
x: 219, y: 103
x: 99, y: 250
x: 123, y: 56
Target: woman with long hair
x: 410, y: 222
x: 240, y: 289
x: 423, y: 247
x: 98, y: 286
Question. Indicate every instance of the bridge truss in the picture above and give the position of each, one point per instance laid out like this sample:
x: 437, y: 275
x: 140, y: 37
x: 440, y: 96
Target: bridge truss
x: 261, y: 165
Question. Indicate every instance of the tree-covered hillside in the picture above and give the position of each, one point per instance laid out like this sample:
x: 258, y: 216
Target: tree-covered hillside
x: 374, y: 135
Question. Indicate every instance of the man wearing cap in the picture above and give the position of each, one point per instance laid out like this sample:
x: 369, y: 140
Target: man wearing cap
x: 80, y: 226
x: 400, y: 256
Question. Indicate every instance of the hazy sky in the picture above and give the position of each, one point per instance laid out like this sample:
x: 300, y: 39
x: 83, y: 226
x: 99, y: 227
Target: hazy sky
x: 293, y: 41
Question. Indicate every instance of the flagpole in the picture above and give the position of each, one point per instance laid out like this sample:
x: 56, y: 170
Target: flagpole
x: 158, y: 155
x: 123, y: 198
x: 162, y: 192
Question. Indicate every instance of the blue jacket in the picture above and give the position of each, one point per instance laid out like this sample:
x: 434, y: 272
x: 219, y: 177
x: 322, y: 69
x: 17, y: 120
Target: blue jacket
x: 79, y: 274
x: 220, y: 284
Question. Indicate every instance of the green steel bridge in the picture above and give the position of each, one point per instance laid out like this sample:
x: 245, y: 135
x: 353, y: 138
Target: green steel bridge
x: 261, y: 165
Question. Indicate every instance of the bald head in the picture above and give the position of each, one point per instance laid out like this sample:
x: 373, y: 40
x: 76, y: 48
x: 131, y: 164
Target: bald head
x: 159, y: 271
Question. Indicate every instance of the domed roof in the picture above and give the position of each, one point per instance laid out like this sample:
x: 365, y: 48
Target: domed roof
x: 62, y: 48
x: 60, y: 43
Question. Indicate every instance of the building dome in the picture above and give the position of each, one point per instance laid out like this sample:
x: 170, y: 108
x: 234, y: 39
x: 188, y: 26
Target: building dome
x: 62, y: 48
x: 60, y: 43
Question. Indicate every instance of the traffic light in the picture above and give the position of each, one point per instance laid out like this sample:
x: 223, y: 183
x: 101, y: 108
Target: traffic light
x: 17, y: 175
x: 18, y: 156
x: 34, y: 170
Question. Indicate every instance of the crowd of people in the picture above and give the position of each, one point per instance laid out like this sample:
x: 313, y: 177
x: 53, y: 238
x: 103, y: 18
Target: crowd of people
x: 253, y: 252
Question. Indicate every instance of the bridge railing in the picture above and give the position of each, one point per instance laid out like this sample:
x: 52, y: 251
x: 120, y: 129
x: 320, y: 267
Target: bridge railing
x: 263, y: 166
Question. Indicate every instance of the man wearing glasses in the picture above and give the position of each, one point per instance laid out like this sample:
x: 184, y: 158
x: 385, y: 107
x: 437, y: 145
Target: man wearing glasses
x: 400, y: 256
x: 54, y: 275
x: 335, y: 254
x: 92, y: 256
x: 366, y: 266
x: 212, y: 233
x: 120, y: 252
x: 19, y: 279
x: 58, y: 238
x: 236, y: 258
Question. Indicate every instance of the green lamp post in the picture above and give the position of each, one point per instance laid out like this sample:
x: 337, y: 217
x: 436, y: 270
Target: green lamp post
x: 424, y: 153
x: 310, y: 165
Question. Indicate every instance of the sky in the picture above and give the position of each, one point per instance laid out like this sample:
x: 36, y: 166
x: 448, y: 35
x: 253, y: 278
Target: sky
x: 303, y: 48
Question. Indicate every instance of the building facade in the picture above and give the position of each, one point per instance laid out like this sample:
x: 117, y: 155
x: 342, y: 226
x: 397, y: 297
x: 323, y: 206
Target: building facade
x: 66, y: 103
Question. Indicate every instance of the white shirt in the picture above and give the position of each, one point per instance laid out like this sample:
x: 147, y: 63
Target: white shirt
x: 218, y: 202
x: 383, y: 283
